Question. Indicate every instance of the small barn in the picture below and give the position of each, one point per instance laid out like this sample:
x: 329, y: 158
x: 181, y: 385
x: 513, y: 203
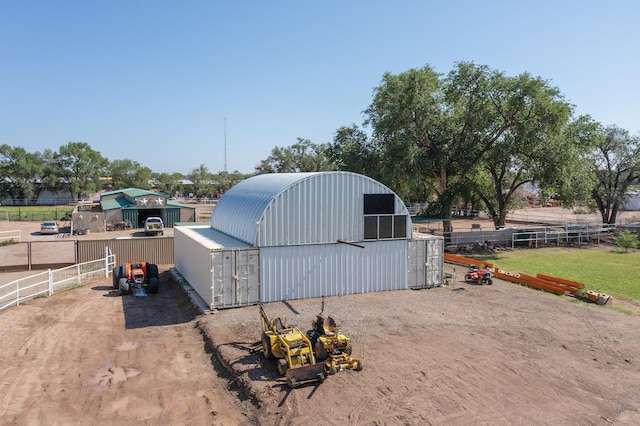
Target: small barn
x: 131, y: 206
x: 289, y: 236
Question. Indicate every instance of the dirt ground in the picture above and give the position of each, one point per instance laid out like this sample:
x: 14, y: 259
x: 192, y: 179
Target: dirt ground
x: 460, y: 354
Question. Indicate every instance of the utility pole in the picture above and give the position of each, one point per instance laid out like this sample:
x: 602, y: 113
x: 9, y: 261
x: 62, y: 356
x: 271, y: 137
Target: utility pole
x: 225, y: 144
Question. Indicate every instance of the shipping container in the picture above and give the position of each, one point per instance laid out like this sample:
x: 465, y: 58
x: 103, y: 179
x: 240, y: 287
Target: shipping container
x: 223, y: 271
x: 426, y: 262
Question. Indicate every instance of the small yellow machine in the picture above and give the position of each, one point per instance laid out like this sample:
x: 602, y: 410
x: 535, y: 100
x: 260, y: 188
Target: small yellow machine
x: 292, y: 349
x: 330, y: 346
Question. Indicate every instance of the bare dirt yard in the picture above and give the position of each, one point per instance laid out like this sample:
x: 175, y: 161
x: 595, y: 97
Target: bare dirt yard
x: 456, y: 355
x: 461, y: 354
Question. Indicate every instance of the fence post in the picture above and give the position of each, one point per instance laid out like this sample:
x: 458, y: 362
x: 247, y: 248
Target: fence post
x: 50, y: 279
x: 106, y: 261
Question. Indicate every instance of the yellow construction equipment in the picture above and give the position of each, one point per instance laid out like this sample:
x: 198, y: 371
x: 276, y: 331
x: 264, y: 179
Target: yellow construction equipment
x: 330, y: 346
x: 292, y: 349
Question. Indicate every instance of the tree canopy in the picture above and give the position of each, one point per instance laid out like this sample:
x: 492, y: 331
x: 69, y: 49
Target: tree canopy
x: 615, y: 164
x: 473, y: 122
x: 302, y: 156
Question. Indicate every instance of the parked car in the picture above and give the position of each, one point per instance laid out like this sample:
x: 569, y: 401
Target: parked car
x: 153, y: 226
x: 49, y: 228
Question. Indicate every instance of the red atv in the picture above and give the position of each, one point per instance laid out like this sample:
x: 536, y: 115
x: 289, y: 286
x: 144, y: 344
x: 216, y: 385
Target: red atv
x: 476, y: 275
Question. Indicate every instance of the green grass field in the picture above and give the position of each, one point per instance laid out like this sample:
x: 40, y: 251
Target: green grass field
x: 607, y: 270
x: 35, y: 213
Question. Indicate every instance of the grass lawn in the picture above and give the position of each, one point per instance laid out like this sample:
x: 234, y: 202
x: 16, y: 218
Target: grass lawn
x: 603, y: 269
x: 35, y: 213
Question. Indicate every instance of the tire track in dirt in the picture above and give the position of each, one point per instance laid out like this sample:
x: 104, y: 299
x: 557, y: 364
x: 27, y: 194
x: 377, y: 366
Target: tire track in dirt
x: 87, y: 356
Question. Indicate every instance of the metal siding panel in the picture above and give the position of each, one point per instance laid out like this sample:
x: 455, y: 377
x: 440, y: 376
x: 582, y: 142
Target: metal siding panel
x: 193, y: 261
x: 131, y: 215
x: 172, y: 216
x: 154, y: 250
x: 297, y: 272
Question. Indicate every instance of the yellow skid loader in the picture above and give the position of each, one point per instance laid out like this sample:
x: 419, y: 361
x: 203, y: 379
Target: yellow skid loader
x: 292, y: 349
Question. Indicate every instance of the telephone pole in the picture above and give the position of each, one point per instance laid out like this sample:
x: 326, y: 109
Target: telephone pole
x: 225, y: 144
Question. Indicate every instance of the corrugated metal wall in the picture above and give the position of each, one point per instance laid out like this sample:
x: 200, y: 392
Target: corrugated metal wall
x: 131, y: 215
x: 298, y: 272
x: 324, y: 208
x: 172, y: 216
x: 193, y: 261
x: 154, y: 250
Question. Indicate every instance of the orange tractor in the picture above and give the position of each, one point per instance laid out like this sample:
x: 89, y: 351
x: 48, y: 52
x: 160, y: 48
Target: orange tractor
x: 136, y: 278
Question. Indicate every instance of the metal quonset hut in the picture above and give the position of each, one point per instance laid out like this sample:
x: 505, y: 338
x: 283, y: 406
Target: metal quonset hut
x: 288, y: 236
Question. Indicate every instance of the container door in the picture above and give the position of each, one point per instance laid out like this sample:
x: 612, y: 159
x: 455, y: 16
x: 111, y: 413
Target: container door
x: 417, y: 253
x: 235, y: 278
x: 434, y: 263
x: 248, y: 286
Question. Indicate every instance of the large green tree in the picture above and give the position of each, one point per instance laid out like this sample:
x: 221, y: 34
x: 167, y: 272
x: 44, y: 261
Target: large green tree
x: 167, y: 183
x: 531, y: 150
x: 202, y: 181
x: 222, y: 181
x: 616, y: 165
x: 81, y: 168
x: 303, y: 156
x: 438, y: 129
x: 474, y: 130
x: 19, y: 172
x: 127, y: 173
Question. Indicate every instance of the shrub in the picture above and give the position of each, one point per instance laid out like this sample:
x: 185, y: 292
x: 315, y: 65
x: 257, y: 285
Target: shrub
x: 626, y: 240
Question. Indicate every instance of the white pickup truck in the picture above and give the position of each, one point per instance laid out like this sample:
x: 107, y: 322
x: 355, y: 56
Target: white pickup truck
x: 153, y: 226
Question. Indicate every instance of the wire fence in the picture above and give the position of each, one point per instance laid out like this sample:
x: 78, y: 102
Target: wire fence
x: 45, y: 284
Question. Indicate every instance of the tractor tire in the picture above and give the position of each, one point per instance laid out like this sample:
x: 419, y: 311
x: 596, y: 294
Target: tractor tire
x: 282, y: 366
x: 359, y: 366
x: 116, y: 277
x: 348, y: 350
x: 153, y: 285
x: 489, y: 281
x: 319, y: 351
x: 266, y: 347
x: 467, y: 278
x: 121, y: 290
x: 152, y: 270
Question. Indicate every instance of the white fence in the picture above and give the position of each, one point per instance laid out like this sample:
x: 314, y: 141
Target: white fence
x: 532, y: 237
x: 48, y: 282
x: 15, y: 236
x: 569, y: 235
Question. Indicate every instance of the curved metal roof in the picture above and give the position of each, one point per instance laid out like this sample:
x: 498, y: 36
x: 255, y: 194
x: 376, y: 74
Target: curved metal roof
x: 297, y: 208
x: 238, y: 211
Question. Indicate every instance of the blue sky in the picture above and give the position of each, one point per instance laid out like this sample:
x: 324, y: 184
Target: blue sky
x: 156, y: 81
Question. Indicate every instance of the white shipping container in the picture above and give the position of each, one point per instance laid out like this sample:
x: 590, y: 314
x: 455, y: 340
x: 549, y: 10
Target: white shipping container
x: 224, y: 276
x: 425, y: 262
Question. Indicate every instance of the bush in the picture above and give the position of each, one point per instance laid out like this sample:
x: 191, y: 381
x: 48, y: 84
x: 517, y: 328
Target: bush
x: 626, y: 240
